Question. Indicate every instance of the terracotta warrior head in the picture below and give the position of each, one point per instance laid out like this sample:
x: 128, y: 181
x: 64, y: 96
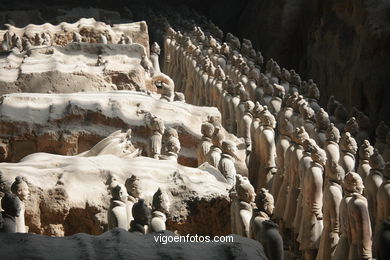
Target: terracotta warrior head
x: 309, y: 145
x: 173, y: 145
x: 249, y: 106
x: 133, y: 187
x: 20, y: 188
x: 286, y: 128
x: 161, y: 201
x: 365, y: 150
x: 217, y: 137
x: 300, y: 135
x: 353, y: 183
x: 318, y: 155
x: 336, y: 173
x: 141, y: 213
x: 332, y: 133
x: 244, y: 189
x: 376, y: 161
x: 207, y: 129
x: 265, y: 201
x: 267, y: 119
x: 11, y: 204
x: 229, y: 148
x: 155, y: 48
x: 348, y: 143
x: 157, y: 125
x: 119, y: 192
x: 171, y: 132
x: 322, y: 119
x: 352, y: 126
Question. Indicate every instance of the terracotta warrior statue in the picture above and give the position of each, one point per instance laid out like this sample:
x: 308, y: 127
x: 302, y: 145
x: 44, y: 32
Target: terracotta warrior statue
x: 348, y: 149
x: 155, y: 141
x: 283, y: 142
x: 214, y: 155
x: 332, y: 148
x: 20, y: 189
x: 134, y: 192
x: 10, y: 204
x: 312, y: 225
x: 205, y: 144
x: 365, y: 151
x: 160, y: 207
x: 358, y: 231
x: 304, y: 164
x: 242, y: 205
x: 154, y: 54
x: 142, y: 216
x: 226, y: 164
x: 119, y: 208
x: 267, y: 151
x: 172, y: 150
x: 351, y: 181
x: 299, y: 137
x: 373, y: 182
x: 263, y: 229
x: 331, y: 201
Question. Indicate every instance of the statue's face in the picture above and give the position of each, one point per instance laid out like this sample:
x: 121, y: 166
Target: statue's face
x: 23, y: 191
x: 269, y: 208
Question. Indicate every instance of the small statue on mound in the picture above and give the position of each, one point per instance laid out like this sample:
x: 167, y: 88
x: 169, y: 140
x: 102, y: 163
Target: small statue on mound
x: 118, y: 213
x: 142, y: 214
x: 20, y: 189
x: 160, y: 206
x: 11, y: 206
x: 205, y: 144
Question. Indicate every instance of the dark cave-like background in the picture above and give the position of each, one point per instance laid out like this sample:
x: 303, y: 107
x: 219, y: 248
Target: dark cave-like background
x: 343, y: 45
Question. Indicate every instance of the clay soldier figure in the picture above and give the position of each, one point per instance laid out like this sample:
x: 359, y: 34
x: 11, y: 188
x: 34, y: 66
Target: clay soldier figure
x: 155, y: 141
x: 276, y: 102
x: 263, y: 229
x: 267, y: 152
x: 134, y: 193
x: 373, y: 182
x: 226, y: 164
x: 242, y: 207
x: 311, y: 228
x: 205, y: 144
x: 365, y: 151
x: 20, y: 189
x: 160, y: 209
x: 214, y: 155
x: 173, y: 148
x: 10, y: 203
x: 165, y: 86
x: 155, y: 52
x: 282, y: 144
x: 332, y: 199
x: 322, y: 123
x: 359, y: 231
x: 304, y: 165
x: 349, y: 184
x: 331, y: 147
x: 348, y: 147
x: 142, y: 215
x: 169, y: 133
x: 299, y: 137
x: 383, y: 206
x: 246, y: 123
x: 118, y: 211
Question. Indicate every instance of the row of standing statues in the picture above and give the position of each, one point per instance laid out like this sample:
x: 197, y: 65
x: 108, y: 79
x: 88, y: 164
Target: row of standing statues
x: 329, y: 184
